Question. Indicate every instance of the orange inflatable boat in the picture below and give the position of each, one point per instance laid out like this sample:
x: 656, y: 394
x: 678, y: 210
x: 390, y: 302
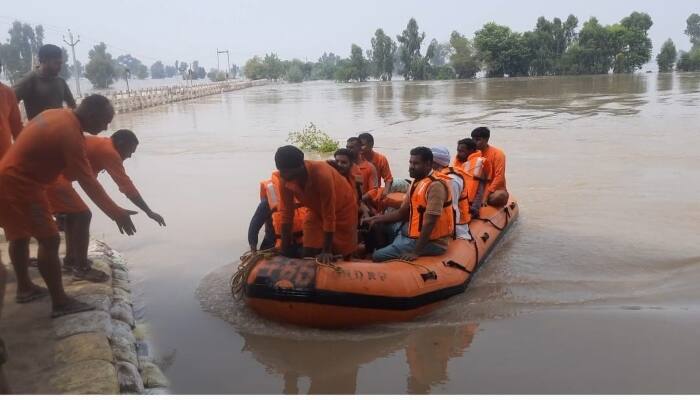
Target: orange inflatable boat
x: 360, y: 292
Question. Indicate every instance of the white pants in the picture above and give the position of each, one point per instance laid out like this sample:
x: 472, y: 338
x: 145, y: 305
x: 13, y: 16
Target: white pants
x: 463, y: 232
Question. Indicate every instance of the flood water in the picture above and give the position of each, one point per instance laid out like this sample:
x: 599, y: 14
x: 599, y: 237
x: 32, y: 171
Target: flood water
x: 596, y: 289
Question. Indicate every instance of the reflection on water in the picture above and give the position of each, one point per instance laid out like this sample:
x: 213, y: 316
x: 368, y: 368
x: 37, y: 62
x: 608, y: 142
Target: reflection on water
x: 427, y: 353
x: 604, y: 168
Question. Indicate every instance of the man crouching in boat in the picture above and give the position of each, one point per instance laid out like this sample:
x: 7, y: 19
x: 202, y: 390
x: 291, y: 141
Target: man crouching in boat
x: 331, y: 224
x: 428, y: 210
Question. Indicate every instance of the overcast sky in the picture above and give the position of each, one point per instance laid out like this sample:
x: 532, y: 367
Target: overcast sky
x: 192, y: 30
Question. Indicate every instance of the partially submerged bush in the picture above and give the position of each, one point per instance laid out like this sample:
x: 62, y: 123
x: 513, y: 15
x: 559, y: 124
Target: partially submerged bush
x: 314, y: 139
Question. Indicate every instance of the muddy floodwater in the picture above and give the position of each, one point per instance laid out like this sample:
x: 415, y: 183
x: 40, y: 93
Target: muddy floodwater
x: 596, y: 289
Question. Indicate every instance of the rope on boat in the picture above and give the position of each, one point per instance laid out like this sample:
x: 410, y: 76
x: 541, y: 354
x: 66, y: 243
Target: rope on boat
x: 248, y: 261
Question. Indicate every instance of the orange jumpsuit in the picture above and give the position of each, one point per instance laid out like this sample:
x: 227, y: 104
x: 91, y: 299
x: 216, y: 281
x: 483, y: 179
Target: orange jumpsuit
x: 332, y: 207
x: 457, y: 164
x: 10, y: 119
x: 497, y: 161
x: 51, y: 144
x: 382, y: 165
x: 368, y: 172
x: 103, y: 156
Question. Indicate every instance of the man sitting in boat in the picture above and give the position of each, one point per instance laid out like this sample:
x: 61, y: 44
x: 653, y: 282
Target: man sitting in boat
x: 330, y: 226
x: 496, y: 192
x: 459, y: 180
x: 379, y: 161
x: 366, y: 170
x: 344, y: 162
x: 428, y: 210
x: 268, y: 215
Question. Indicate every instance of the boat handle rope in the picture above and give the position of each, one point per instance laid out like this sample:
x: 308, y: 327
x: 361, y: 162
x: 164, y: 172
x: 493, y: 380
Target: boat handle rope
x: 456, y: 265
x: 429, y: 274
x: 331, y: 265
x: 499, y: 228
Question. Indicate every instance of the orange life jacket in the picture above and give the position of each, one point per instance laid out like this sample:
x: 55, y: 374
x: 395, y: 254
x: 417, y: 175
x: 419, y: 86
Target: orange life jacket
x: 475, y: 169
x: 419, y: 201
x: 463, y: 204
x: 270, y: 191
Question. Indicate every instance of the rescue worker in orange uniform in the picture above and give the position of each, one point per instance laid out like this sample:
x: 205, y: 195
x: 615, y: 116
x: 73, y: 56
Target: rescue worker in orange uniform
x: 458, y: 182
x: 496, y: 192
x: 344, y: 162
x: 268, y: 214
x: 51, y: 144
x: 10, y: 119
x: 331, y: 224
x: 367, y: 170
x: 427, y: 211
x: 105, y: 154
x: 478, y: 170
x: 378, y: 160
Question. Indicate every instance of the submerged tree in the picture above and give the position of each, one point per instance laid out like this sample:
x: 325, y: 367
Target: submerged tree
x: 502, y: 51
x: 409, y: 51
x: 463, y: 59
x: 667, y: 56
x: 100, y: 69
x: 382, y: 55
x: 157, y: 70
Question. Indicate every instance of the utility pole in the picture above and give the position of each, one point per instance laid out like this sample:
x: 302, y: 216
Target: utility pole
x: 76, y: 71
x: 228, y: 62
x: 127, y: 74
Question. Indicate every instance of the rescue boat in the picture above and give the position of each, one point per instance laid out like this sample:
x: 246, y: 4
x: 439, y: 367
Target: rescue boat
x: 360, y: 292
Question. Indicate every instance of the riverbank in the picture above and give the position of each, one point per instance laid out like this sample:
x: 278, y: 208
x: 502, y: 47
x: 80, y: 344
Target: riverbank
x: 104, y: 351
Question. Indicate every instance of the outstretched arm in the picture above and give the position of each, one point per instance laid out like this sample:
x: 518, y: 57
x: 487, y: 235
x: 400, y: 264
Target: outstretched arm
x: 115, y: 169
x: 140, y: 203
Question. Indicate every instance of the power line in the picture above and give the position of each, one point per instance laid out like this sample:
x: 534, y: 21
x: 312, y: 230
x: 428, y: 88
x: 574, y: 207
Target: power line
x: 76, y: 71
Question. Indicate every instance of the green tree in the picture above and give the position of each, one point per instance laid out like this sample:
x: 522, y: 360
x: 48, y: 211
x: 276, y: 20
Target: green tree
x: 66, y: 71
x: 215, y: 75
x: 254, y: 69
x: 170, y: 71
x: 21, y: 48
x: 502, y: 51
x: 592, y: 53
x: 548, y: 42
x: 358, y: 64
x: 693, y: 29
x: 667, y: 56
x: 198, y: 72
x: 689, y: 61
x: 157, y: 70
x: 274, y: 68
x: 382, y: 55
x: 100, y: 69
x: 133, y: 65
x: 409, y: 51
x: 463, y: 59
x: 294, y: 74
x: 326, y: 67
x: 632, y: 42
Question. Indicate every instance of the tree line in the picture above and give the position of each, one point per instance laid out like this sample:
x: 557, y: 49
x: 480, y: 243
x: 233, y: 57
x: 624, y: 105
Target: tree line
x: 684, y: 60
x: 556, y: 47
x: 19, y: 54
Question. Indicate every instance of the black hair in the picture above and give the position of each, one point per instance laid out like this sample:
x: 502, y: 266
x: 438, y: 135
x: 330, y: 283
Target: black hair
x: 345, y: 152
x: 367, y: 137
x: 96, y: 103
x: 124, y: 136
x: 49, y: 52
x: 289, y: 157
x: 470, y: 143
x: 353, y: 139
x: 426, y: 155
x: 481, y: 132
